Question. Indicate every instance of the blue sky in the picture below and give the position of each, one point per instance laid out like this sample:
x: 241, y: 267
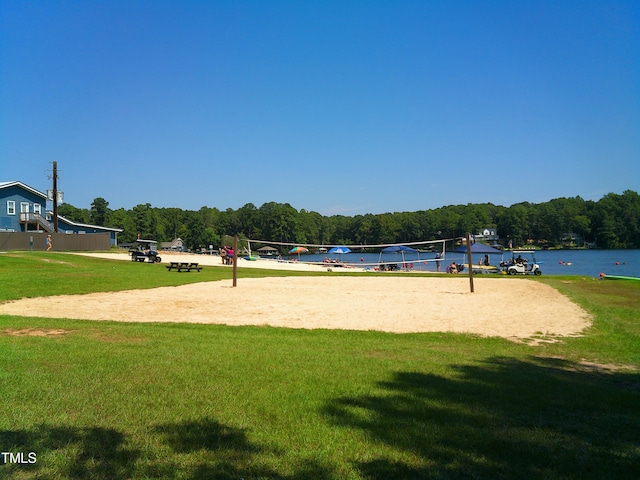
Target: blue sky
x: 341, y: 107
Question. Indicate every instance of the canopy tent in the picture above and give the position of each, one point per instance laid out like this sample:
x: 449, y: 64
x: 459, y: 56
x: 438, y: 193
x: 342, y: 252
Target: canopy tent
x: 402, y: 249
x: 398, y: 248
x: 479, y: 248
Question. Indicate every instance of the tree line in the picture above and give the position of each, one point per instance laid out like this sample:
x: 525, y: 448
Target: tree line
x: 611, y: 222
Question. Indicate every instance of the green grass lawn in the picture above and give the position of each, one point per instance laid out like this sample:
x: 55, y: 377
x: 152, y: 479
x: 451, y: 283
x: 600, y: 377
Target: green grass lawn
x: 106, y: 400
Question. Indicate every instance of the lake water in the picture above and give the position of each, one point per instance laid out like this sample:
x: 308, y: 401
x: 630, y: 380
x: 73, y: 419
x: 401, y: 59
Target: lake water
x: 582, y: 262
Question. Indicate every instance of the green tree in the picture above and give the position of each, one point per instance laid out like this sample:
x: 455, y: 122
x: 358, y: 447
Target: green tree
x: 99, y: 212
x: 122, y: 219
x: 389, y: 228
x: 613, y: 222
x: 145, y: 221
x: 68, y: 211
x: 195, y: 234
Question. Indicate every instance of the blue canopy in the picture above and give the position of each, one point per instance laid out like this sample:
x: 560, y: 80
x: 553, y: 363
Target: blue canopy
x: 398, y: 248
x: 479, y: 248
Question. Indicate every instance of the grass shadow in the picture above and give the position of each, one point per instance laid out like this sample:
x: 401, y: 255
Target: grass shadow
x: 205, y: 434
x: 504, y: 418
x: 99, y: 453
x: 200, y: 450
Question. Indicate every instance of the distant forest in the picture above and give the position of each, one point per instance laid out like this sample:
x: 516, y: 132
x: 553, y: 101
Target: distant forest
x: 611, y: 222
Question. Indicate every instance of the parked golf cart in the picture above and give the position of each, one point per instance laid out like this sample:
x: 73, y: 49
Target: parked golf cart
x: 145, y: 250
x: 522, y: 266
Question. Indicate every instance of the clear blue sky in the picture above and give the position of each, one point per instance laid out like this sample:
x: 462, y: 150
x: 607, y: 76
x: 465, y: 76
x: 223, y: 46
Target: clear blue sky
x: 341, y: 107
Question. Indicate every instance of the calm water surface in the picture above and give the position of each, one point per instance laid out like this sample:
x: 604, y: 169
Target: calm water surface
x: 553, y: 262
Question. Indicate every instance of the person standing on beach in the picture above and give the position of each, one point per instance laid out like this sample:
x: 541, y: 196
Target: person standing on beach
x: 49, y: 243
x: 438, y: 257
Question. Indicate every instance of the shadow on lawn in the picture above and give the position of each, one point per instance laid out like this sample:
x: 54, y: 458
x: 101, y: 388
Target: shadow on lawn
x: 86, y: 452
x: 215, y: 451
x: 542, y: 418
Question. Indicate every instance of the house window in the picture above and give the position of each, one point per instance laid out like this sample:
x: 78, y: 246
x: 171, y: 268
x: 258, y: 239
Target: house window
x: 11, y: 207
x: 24, y: 207
x: 37, y: 208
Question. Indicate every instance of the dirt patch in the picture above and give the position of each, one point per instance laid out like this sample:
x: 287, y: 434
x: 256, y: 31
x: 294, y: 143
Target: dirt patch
x: 585, y: 366
x: 58, y: 262
x: 35, y: 332
x: 594, y: 367
x: 113, y: 337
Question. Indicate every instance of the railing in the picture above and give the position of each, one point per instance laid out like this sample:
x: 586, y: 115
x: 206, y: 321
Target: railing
x: 28, y: 217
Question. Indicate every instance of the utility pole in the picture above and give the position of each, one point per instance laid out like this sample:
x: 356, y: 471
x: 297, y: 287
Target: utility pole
x: 55, y: 196
x: 469, y: 262
x: 235, y: 260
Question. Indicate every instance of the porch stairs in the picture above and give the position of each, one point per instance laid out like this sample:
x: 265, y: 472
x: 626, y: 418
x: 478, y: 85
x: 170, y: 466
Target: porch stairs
x: 38, y: 220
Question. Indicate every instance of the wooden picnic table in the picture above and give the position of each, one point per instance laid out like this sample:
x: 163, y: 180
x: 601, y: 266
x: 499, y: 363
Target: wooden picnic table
x: 183, y: 266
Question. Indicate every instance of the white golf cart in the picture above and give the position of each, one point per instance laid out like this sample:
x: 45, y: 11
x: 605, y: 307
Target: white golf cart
x: 522, y: 266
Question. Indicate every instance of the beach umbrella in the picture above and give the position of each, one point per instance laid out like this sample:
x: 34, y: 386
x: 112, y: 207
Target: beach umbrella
x: 340, y: 250
x: 299, y: 250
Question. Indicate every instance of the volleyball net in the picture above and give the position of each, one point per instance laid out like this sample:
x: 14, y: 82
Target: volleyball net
x: 427, y: 255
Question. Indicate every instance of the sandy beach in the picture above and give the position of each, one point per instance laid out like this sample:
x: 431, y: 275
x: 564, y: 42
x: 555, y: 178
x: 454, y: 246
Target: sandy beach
x: 514, y: 308
x: 268, y: 263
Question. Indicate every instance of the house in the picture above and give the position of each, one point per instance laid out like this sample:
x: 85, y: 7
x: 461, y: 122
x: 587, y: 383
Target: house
x: 23, y: 209
x: 177, y: 245
x: 269, y: 250
x: 69, y: 227
x: 489, y: 236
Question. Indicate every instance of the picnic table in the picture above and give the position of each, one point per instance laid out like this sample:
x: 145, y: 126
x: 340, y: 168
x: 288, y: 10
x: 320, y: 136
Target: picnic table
x: 183, y: 266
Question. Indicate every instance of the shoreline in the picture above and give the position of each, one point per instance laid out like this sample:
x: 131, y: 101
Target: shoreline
x: 216, y: 261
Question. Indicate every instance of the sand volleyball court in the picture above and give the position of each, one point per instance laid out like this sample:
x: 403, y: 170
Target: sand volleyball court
x: 505, y: 307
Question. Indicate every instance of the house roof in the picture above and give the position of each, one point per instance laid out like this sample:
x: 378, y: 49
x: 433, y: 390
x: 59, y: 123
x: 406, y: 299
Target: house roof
x: 75, y: 224
x: 60, y: 217
x: 24, y: 186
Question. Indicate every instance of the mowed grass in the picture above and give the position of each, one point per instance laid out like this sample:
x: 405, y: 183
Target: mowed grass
x: 114, y: 400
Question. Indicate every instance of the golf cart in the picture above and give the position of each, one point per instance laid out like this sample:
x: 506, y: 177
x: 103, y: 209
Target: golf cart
x: 145, y: 250
x: 522, y: 266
